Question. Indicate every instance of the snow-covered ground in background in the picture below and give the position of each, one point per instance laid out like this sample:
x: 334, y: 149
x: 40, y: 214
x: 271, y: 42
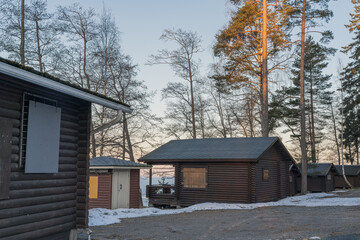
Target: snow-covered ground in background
x: 100, y: 216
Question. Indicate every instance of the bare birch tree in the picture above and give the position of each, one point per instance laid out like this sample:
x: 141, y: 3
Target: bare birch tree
x: 182, y: 61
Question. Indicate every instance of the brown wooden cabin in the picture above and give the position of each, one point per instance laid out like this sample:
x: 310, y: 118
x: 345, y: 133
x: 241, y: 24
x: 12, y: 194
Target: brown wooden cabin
x: 114, y: 183
x: 227, y: 170
x: 352, y: 173
x: 321, y: 177
x: 44, y: 146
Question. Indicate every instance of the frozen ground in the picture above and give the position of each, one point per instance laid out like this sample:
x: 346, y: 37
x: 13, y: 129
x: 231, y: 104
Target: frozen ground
x: 101, y: 216
x: 274, y: 221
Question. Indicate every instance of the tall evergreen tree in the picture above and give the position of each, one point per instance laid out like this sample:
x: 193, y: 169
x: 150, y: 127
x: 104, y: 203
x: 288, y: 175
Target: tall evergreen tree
x: 285, y: 107
x: 351, y: 86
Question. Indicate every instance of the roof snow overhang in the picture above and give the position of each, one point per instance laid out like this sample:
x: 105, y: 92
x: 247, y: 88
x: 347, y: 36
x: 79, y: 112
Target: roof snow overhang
x: 29, y: 75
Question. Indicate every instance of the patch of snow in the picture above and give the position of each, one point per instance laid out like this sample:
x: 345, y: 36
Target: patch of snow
x: 340, y: 191
x: 314, y: 238
x: 100, y: 216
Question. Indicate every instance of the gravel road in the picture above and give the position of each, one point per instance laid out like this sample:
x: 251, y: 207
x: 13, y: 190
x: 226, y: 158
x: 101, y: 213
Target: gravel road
x: 332, y: 223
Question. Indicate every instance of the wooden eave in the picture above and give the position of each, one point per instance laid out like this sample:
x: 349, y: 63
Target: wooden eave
x: 172, y: 161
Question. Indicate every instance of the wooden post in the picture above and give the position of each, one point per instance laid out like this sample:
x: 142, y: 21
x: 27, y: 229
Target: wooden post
x: 177, y: 183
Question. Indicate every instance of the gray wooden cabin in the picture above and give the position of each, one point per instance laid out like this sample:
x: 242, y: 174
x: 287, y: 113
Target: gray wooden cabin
x: 44, y: 160
x: 352, y: 173
x: 226, y: 170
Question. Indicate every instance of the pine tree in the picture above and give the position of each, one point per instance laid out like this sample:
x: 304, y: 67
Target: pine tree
x: 351, y: 86
x: 285, y: 105
x: 250, y: 46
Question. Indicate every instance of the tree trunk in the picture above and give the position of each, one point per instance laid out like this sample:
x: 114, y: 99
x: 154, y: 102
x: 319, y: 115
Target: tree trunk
x: 93, y: 145
x: 335, y: 133
x: 131, y: 153
x: 22, y: 41
x: 342, y: 134
x: 84, y: 66
x: 312, y: 136
x: 302, y: 106
x: 350, y: 155
x: 38, y: 45
x: 264, y: 83
x: 192, y: 101
x: 357, y: 151
x: 124, y: 138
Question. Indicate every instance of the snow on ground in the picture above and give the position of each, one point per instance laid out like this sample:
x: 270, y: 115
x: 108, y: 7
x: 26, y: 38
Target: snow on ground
x: 340, y: 191
x: 101, y: 216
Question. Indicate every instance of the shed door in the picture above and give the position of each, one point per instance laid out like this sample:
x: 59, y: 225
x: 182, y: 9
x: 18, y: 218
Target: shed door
x: 120, y: 189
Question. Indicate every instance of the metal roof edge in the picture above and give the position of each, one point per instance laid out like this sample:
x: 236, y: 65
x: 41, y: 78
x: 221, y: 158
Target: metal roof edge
x: 60, y: 87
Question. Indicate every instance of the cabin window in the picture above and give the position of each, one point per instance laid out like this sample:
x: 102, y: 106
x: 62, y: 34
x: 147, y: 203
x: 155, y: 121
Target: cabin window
x: 194, y: 177
x: 265, y: 174
x: 329, y: 177
x: 93, y: 186
x: 40, y: 135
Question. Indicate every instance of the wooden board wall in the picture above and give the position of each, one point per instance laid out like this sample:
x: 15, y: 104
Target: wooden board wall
x: 340, y: 182
x: 46, y: 205
x: 104, y: 191
x: 227, y: 183
x: 134, y: 188
x: 277, y: 186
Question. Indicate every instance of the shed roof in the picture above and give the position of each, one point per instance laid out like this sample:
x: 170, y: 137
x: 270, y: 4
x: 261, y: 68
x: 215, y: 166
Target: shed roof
x: 319, y: 169
x: 105, y: 162
x: 350, y: 170
x: 46, y: 80
x: 212, y: 149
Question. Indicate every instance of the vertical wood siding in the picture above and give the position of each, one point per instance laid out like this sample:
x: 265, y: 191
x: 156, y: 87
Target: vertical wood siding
x: 227, y: 183
x: 134, y: 188
x: 277, y: 186
x: 340, y: 182
x: 316, y: 184
x: 46, y: 205
x: 104, y: 191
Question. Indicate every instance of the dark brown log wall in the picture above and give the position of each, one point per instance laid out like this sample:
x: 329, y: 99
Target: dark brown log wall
x: 46, y: 205
x: 226, y: 182
x: 104, y: 191
x: 277, y: 186
x: 340, y: 182
x: 316, y: 184
x: 134, y: 188
x: 330, y: 184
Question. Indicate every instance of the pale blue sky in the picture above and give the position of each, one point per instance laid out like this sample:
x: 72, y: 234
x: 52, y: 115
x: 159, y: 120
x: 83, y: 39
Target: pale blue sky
x: 141, y: 22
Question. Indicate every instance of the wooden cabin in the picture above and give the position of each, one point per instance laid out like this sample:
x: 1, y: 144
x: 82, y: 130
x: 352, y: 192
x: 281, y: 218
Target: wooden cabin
x: 44, y: 146
x: 224, y: 170
x: 352, y: 173
x: 320, y: 177
x: 114, y: 183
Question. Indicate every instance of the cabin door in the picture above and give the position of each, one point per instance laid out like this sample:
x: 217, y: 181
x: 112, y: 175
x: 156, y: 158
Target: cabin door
x: 120, y: 189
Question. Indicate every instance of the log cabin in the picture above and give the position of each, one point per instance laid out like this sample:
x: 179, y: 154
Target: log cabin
x: 114, y: 183
x: 44, y: 153
x: 320, y: 177
x: 224, y: 170
x: 352, y: 173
